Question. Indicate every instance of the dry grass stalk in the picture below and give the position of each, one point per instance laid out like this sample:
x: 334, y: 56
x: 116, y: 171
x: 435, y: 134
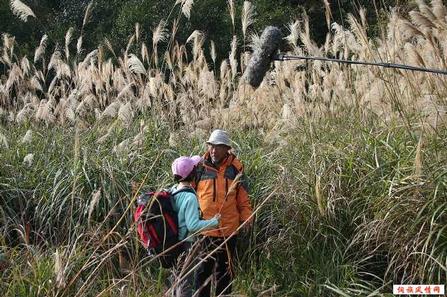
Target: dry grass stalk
x: 96, y: 195
x: 87, y: 15
x: 232, y: 58
x: 68, y: 37
x: 232, y: 12
x: 294, y: 29
x: 79, y: 45
x: 327, y: 13
x: 137, y: 32
x: 213, y: 52
x: 59, y: 270
x: 318, y: 196
x: 418, y: 159
x: 159, y: 34
x: 40, y: 50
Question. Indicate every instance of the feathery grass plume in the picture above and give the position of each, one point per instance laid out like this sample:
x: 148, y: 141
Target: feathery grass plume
x: 168, y: 60
x: 68, y: 37
x: 28, y: 137
x: 87, y: 15
x: 413, y: 56
x: 174, y: 139
x: 90, y: 58
x: 125, y: 113
x: 137, y: 32
x: 421, y: 20
x: 358, y: 30
x: 327, y: 13
x: 7, y: 41
x: 47, y: 111
x: 232, y: 12
x: 21, y: 10
x: 292, y: 38
x: 207, y: 84
x: 5, y: 58
x: 245, y: 59
x: 96, y: 195
x: 127, y: 90
x: 25, y: 66
x: 8, y: 49
x: 55, y: 59
x: 232, y: 57
x: 25, y: 113
x: 3, y: 141
x: 14, y: 77
x: 409, y: 30
x: 318, y: 195
x: 79, y: 45
x: 28, y: 160
x: 425, y: 10
x: 213, y: 52
x: 247, y: 16
x: 439, y: 10
x: 195, y: 34
x: 7, y: 45
x: 100, y: 55
x: 122, y: 148
x: 135, y: 65
x: 198, y: 38
x: 144, y: 53
x: 186, y: 8
x: 59, y: 270
x: 40, y: 50
x: 138, y: 140
x: 174, y: 29
x: 159, y: 34
x: 286, y: 113
x: 223, y: 70
x: 129, y: 44
x: 109, y: 46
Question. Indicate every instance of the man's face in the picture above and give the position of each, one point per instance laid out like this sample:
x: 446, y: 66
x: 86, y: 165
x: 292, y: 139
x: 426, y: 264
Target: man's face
x: 218, y: 152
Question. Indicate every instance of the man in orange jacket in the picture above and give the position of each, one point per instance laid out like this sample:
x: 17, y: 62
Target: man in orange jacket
x: 221, y: 189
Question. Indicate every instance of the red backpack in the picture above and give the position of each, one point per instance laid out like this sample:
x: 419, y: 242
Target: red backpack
x: 157, y: 225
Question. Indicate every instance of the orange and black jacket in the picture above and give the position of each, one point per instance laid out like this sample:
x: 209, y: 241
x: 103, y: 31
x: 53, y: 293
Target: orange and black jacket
x: 213, y: 187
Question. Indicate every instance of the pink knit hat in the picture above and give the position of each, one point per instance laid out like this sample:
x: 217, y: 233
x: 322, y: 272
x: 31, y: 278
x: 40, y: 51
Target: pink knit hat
x: 183, y: 166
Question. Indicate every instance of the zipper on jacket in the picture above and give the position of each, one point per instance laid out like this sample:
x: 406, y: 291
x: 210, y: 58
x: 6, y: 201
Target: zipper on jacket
x: 226, y: 188
x: 214, y: 190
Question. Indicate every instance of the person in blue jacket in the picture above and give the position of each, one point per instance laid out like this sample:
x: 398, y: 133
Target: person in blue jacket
x: 188, y: 212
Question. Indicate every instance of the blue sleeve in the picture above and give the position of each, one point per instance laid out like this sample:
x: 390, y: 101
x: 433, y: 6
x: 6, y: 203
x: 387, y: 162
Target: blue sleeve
x: 192, y: 216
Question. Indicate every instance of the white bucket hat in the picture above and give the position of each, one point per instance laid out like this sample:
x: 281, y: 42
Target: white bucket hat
x: 219, y: 137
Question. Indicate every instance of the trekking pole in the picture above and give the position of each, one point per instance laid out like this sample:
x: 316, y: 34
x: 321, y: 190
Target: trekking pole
x: 282, y: 57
